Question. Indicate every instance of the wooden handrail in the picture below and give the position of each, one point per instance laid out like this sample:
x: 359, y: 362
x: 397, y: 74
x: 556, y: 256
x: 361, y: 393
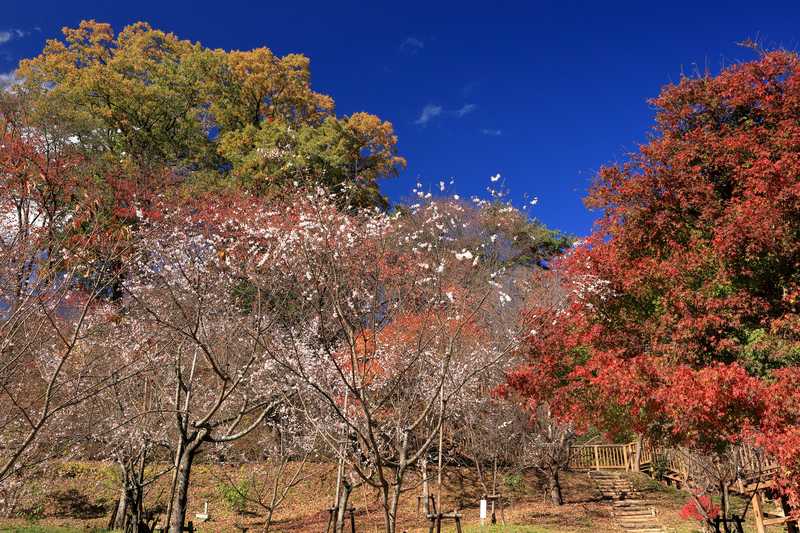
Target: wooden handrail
x: 602, y: 456
x: 622, y: 457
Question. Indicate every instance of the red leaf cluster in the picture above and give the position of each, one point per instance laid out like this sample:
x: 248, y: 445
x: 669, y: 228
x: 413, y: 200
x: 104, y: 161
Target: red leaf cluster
x: 690, y: 511
x: 682, y: 319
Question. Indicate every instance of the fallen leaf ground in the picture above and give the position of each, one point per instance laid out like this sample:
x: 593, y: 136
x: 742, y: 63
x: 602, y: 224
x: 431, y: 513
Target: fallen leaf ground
x: 77, y: 497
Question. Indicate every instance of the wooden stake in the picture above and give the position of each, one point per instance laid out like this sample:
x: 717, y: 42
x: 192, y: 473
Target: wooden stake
x: 758, y: 513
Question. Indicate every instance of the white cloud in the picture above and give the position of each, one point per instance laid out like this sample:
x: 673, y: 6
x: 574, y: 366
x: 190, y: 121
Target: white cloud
x: 7, y: 35
x: 411, y: 45
x: 429, y: 112
x: 466, y: 109
x: 8, y: 80
x: 492, y: 133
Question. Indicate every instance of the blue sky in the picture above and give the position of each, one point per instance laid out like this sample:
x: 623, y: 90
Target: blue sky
x: 542, y: 92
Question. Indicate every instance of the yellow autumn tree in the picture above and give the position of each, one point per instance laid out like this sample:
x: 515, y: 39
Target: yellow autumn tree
x: 144, y: 101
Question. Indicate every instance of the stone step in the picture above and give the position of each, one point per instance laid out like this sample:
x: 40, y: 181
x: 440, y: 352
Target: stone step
x: 649, y: 521
x: 645, y: 518
x: 639, y: 525
x: 633, y: 512
x: 619, y: 496
x: 630, y: 511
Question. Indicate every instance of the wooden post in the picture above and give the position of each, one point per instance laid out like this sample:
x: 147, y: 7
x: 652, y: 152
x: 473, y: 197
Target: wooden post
x: 596, y: 458
x: 423, y: 466
x: 331, y: 518
x: 758, y: 513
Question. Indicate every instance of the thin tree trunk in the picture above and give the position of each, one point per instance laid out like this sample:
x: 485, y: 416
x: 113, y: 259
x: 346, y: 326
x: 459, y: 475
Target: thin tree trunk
x: 340, y: 468
x: 126, y: 510
x: 138, y: 483
x: 725, y: 507
x: 341, y: 505
x: 117, y: 520
x: 554, y: 487
x: 441, y: 445
x: 176, y: 462
x: 391, y: 525
x: 181, y: 497
x: 268, y: 521
x: 637, y: 455
x: 494, y: 488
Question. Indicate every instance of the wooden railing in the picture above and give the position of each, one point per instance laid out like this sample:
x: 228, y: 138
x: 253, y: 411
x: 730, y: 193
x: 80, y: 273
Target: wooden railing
x: 673, y: 463
x: 757, y: 472
x: 603, y: 457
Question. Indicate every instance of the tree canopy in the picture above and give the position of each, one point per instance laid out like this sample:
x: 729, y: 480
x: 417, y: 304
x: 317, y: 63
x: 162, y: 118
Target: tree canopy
x: 143, y: 100
x: 679, y: 319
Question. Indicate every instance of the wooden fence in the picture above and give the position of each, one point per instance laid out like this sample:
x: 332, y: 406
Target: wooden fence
x: 754, y: 478
x: 638, y: 457
x: 603, y: 457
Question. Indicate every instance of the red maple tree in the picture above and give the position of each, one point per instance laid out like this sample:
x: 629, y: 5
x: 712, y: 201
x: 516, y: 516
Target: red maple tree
x: 682, y: 321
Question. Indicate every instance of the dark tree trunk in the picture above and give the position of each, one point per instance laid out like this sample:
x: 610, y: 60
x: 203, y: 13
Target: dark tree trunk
x: 126, y: 515
x: 554, y: 487
x: 181, y: 497
x: 724, y: 507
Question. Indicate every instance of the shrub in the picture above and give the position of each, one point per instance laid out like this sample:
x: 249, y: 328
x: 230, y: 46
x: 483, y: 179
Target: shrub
x: 691, y: 511
x: 235, y: 495
x: 513, y: 481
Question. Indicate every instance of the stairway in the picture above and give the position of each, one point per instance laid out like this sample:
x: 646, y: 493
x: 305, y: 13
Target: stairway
x: 627, y: 506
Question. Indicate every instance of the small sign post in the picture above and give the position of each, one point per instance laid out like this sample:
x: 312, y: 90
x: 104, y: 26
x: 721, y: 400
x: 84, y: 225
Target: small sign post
x: 483, y: 511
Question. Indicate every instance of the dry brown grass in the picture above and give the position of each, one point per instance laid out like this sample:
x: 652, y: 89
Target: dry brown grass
x: 77, y: 495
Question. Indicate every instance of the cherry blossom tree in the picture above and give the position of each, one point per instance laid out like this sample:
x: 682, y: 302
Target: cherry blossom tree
x: 189, y: 293
x: 128, y: 421
x: 57, y: 266
x: 489, y: 432
x: 398, y: 316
